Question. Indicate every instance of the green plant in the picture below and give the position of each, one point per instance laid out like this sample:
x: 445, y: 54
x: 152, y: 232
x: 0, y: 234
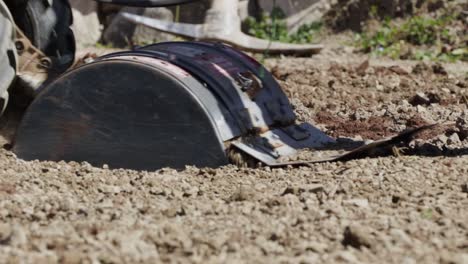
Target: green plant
x: 427, y: 213
x: 267, y: 27
x: 273, y: 27
x: 419, y: 37
x: 100, y: 45
x: 306, y: 33
x: 374, y: 12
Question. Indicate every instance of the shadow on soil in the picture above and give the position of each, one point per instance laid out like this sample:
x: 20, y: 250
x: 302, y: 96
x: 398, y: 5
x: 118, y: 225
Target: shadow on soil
x: 429, y: 150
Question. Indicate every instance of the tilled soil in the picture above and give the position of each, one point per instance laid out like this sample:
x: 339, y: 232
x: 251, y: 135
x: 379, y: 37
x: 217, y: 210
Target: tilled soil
x: 408, y: 208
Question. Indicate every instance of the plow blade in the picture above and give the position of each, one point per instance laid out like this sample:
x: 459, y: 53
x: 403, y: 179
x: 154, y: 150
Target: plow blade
x: 172, y: 105
x: 169, y: 104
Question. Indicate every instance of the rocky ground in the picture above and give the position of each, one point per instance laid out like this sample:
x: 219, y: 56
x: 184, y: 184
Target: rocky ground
x: 409, y: 208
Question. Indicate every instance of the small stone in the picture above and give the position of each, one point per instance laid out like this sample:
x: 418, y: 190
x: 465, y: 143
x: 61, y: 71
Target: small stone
x: 357, y: 236
x: 358, y: 138
x: 174, y: 211
x: 394, y: 82
x: 297, y: 190
x: 464, y: 187
x: 420, y: 68
x: 453, y: 139
x: 72, y: 257
x: 439, y: 69
x: 445, y: 90
x: 361, y: 69
x: 348, y: 257
x: 399, y: 70
x: 408, y: 260
x: 421, y: 109
x: 363, y: 203
x: 400, y: 236
x: 379, y: 87
x: 442, y: 138
x: 419, y: 99
x: 5, y: 233
x: 243, y: 193
x: 109, y: 189
x: 315, y: 246
x: 18, y: 237
x: 348, y: 49
x: 7, y: 188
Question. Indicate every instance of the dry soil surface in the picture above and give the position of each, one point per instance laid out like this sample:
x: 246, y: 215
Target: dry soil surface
x: 408, y: 208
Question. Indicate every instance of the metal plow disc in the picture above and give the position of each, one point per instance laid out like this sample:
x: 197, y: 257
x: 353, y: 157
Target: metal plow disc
x: 170, y: 104
x: 128, y: 112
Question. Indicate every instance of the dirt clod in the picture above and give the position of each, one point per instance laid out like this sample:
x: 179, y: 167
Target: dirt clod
x: 371, y: 128
x: 357, y: 237
x: 439, y: 69
x: 464, y: 188
x: 423, y: 99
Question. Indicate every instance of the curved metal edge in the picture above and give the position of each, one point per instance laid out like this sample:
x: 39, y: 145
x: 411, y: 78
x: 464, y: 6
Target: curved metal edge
x: 268, y: 97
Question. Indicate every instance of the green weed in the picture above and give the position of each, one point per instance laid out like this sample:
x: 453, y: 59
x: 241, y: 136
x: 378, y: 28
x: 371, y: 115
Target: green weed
x: 427, y: 214
x: 419, y: 37
x: 273, y: 27
x: 100, y: 45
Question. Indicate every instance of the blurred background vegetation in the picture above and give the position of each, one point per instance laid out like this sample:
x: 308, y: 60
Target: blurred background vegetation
x: 418, y: 30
